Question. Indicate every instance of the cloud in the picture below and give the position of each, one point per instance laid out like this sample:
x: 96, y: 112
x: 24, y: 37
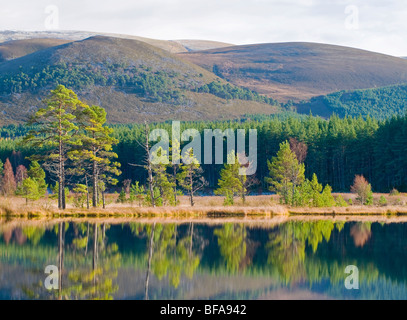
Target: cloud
x: 382, y: 23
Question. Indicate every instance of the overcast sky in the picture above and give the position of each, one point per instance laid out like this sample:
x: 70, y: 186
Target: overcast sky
x: 376, y: 25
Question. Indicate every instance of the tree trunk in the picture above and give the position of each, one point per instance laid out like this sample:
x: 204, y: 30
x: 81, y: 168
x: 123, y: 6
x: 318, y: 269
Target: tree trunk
x: 191, y: 193
x: 94, y: 184
x: 95, y: 253
x: 87, y: 192
x: 87, y: 240
x: 150, y: 170
x: 60, y: 184
x: 61, y: 238
x: 175, y: 184
x: 191, y: 239
x: 150, y: 256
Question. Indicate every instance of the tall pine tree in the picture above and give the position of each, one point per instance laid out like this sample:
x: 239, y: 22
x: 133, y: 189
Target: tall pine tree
x: 55, y: 134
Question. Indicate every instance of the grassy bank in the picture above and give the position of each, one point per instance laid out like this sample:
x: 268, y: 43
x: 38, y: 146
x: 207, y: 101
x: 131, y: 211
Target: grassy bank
x: 260, y: 205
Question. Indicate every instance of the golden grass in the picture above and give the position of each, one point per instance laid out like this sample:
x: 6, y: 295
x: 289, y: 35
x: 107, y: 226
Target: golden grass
x: 209, y: 206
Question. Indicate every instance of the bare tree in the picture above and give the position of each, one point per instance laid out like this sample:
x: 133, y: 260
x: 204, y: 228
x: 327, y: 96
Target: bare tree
x: 299, y: 148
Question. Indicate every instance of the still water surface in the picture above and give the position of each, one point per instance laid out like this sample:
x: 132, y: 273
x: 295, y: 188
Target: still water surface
x: 203, y: 260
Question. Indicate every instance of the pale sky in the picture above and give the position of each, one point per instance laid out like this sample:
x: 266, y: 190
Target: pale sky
x: 375, y: 25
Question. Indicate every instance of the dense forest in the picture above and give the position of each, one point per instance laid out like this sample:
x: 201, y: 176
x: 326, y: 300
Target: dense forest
x: 337, y: 148
x: 378, y: 103
x: 155, y: 86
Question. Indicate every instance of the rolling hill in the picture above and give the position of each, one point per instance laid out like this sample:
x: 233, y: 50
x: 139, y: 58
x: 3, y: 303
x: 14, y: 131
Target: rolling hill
x: 379, y: 103
x: 139, y: 79
x: 173, y: 46
x: 298, y: 71
x: 132, y: 80
x: 18, y: 48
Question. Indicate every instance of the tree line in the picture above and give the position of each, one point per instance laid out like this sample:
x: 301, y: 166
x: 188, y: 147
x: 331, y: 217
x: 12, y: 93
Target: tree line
x: 75, y: 147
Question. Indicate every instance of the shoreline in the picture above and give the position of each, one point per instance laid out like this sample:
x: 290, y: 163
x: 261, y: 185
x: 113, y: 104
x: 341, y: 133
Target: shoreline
x: 249, y: 221
x: 199, y: 211
x: 206, y: 207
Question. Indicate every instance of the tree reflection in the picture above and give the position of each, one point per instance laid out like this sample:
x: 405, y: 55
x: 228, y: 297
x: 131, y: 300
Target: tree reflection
x: 361, y: 233
x: 168, y: 254
x: 95, y: 282
x: 232, y: 245
x: 173, y: 257
x: 287, y: 245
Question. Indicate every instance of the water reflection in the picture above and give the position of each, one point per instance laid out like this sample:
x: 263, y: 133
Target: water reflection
x: 132, y: 260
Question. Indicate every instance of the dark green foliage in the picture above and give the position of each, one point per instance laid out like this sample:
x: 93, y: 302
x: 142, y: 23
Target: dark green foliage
x: 379, y: 103
x: 338, y: 149
x: 228, y: 92
x: 156, y: 86
x: 122, y: 197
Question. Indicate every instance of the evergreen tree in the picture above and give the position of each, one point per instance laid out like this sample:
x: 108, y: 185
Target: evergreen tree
x: 122, y: 197
x: 80, y: 196
x: 162, y: 180
x: 95, y: 151
x: 55, y: 132
x: 286, y: 173
x: 138, y: 193
x: 36, y: 173
x: 190, y: 177
x: 230, y: 182
x: 29, y: 190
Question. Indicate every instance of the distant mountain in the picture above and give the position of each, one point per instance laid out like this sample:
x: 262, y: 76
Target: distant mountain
x: 18, y: 48
x: 300, y: 71
x: 199, y: 45
x: 133, y: 80
x: 173, y: 46
x: 139, y: 79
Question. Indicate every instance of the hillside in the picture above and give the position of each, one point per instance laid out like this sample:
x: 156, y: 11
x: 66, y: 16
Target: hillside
x: 300, y: 71
x: 133, y: 80
x: 199, y: 45
x: 379, y: 103
x: 173, y: 46
x: 18, y: 48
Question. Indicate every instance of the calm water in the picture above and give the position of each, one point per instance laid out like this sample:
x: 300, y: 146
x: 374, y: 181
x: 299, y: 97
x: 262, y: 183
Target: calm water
x: 294, y: 259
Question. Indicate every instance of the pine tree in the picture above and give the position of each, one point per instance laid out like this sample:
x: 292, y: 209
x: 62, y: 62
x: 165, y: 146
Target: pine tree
x: 138, y: 193
x: 8, y: 183
x: 190, y: 177
x: 286, y: 173
x: 29, y: 189
x: 33, y: 187
x: 176, y: 167
x: 327, y: 198
x: 162, y: 180
x: 122, y: 197
x: 80, y: 196
x: 55, y: 131
x: 230, y: 183
x: 316, y: 189
x: 36, y: 173
x: 94, y: 153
